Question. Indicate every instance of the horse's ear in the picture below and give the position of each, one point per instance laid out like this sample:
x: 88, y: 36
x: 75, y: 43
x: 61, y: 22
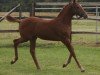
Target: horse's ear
x: 72, y: 1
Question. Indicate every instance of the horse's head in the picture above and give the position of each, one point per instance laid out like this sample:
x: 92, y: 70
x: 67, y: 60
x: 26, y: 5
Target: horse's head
x: 77, y: 9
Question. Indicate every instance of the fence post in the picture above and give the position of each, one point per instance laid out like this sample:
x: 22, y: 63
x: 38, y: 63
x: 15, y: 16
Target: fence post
x: 20, y: 12
x: 97, y: 42
x: 9, y: 12
x: 32, y: 13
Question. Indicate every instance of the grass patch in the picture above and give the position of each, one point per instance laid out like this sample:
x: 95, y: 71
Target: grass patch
x: 51, y: 59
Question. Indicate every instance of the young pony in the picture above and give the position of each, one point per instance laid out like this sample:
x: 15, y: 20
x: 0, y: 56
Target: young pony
x: 57, y: 29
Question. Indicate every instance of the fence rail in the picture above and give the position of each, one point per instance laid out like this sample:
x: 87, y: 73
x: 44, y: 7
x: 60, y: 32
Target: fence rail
x: 60, y: 3
x: 9, y: 12
x: 64, y: 3
x: 73, y: 32
x: 8, y: 31
x: 87, y: 5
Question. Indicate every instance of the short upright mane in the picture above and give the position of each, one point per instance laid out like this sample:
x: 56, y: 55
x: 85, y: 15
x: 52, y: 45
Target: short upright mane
x: 62, y: 10
x: 66, y: 14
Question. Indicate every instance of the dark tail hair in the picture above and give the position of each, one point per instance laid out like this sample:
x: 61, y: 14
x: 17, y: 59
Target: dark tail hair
x: 12, y: 19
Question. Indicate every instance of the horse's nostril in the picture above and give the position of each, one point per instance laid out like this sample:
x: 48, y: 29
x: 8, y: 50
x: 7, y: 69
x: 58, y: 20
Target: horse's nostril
x: 85, y: 16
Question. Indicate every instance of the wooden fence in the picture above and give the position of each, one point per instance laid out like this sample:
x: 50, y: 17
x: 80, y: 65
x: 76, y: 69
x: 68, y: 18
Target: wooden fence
x: 86, y: 5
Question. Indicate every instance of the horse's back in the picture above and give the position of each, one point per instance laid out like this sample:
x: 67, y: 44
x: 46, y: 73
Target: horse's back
x: 35, y: 19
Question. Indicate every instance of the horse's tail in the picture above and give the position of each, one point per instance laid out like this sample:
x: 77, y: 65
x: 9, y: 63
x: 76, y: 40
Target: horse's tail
x: 12, y: 19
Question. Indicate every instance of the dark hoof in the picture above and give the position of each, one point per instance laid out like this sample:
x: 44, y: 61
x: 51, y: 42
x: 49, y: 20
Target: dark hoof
x: 83, y: 70
x: 12, y: 62
x: 39, y: 68
x: 64, y: 65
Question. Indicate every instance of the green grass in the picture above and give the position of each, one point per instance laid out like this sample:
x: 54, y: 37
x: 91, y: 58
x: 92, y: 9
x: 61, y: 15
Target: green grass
x: 51, y: 59
x: 51, y: 55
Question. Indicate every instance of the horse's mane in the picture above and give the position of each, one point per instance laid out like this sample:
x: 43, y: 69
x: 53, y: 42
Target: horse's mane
x: 65, y: 6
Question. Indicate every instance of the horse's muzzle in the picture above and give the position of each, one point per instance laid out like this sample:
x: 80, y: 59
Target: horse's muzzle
x: 85, y: 16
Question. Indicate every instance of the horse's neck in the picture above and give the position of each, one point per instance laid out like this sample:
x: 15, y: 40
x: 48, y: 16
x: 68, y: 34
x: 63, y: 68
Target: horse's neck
x: 65, y: 15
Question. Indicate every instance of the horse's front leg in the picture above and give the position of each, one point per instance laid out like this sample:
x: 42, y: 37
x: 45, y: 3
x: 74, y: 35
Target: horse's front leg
x: 32, y: 51
x: 70, y: 56
x: 71, y: 50
x: 16, y: 43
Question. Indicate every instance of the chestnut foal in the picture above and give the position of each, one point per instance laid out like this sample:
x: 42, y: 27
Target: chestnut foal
x: 57, y: 29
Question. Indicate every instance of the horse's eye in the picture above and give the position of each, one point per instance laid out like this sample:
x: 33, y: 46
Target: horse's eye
x: 77, y: 7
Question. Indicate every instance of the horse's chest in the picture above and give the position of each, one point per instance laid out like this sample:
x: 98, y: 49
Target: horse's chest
x: 64, y: 31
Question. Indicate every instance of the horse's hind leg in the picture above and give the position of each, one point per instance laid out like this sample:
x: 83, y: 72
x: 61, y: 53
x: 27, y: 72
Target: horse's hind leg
x: 32, y: 51
x: 68, y: 61
x: 16, y: 43
x: 71, y: 50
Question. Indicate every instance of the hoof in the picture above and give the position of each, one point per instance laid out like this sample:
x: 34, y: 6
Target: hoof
x: 39, y: 68
x: 64, y: 65
x: 12, y: 62
x: 82, y: 69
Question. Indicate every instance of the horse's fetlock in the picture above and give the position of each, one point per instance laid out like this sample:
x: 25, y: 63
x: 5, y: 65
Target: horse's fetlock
x: 16, y: 58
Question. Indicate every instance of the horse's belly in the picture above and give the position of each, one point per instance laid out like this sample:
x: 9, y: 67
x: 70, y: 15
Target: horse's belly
x: 49, y: 37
